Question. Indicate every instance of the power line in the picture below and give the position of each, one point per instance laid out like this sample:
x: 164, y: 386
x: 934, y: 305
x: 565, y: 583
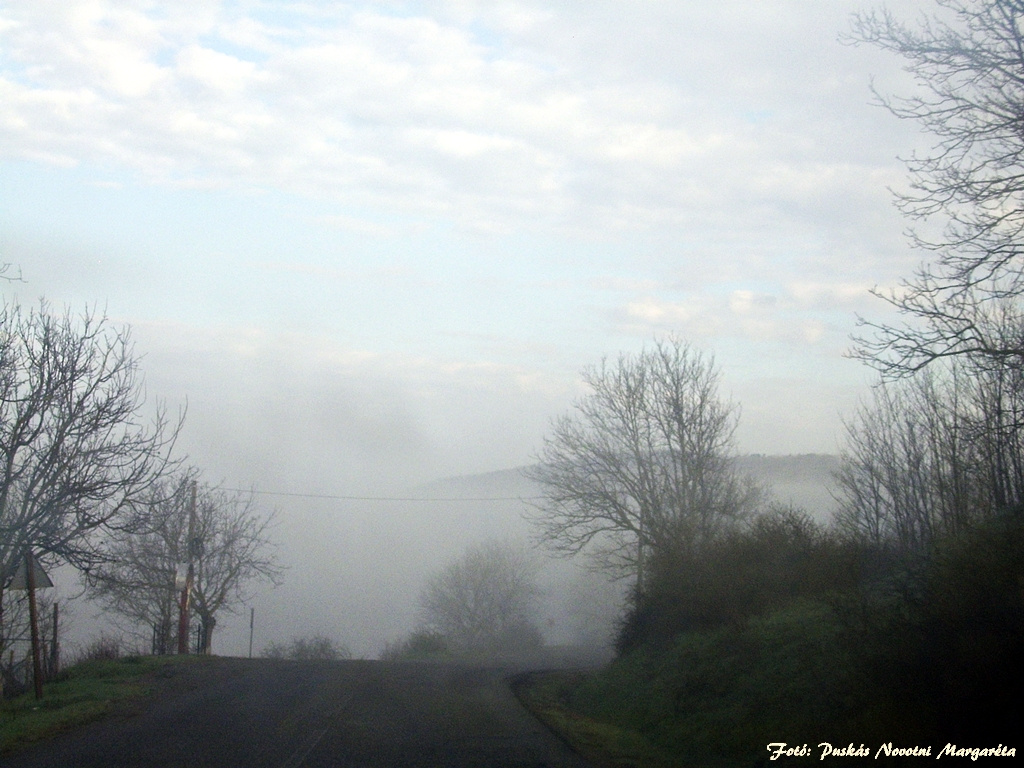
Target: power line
x: 338, y: 497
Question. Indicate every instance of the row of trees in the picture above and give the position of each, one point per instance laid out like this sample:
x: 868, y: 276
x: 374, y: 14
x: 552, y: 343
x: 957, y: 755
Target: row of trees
x: 929, y: 456
x: 87, y: 479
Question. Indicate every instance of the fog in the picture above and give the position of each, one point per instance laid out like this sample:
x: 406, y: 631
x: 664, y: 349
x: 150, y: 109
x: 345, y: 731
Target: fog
x: 355, y: 566
x: 364, y: 248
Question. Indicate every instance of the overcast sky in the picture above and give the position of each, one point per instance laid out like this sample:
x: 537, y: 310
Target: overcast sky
x: 386, y: 236
x: 371, y: 244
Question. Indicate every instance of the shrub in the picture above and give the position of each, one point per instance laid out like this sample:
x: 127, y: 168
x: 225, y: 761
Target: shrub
x: 421, y: 645
x: 780, y: 556
x: 103, y: 648
x: 948, y: 637
x: 313, y: 648
x: 714, y: 697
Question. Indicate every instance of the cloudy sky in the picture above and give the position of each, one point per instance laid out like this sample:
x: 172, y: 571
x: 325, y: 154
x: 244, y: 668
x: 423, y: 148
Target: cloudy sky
x: 373, y: 243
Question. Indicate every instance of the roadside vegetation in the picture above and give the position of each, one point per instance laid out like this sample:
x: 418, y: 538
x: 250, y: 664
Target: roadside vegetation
x: 912, y: 652
x: 86, y: 691
x: 313, y: 648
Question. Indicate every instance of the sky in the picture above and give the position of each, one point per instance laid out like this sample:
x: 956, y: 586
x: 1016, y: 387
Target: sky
x: 371, y: 244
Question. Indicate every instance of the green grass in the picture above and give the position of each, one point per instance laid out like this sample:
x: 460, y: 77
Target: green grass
x: 86, y: 692
x: 548, y: 694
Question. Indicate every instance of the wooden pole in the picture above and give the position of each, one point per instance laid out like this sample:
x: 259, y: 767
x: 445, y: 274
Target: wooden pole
x: 252, y: 623
x: 55, y: 648
x: 33, y: 618
x: 3, y: 579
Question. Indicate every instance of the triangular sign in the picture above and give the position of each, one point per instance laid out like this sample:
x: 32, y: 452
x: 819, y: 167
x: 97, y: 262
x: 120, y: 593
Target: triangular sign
x: 20, y: 581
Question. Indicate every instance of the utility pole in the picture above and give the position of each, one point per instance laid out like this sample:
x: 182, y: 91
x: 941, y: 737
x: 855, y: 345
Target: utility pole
x: 252, y: 623
x: 3, y: 578
x: 186, y: 592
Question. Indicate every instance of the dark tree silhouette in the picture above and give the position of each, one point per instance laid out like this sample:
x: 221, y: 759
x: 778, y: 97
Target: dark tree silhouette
x: 644, y: 463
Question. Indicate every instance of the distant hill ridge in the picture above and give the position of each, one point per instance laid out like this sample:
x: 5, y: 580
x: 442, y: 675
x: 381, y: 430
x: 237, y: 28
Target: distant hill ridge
x: 804, y: 480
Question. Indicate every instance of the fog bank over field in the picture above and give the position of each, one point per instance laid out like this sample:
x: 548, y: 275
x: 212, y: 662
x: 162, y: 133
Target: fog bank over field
x: 364, y: 562
x: 355, y: 566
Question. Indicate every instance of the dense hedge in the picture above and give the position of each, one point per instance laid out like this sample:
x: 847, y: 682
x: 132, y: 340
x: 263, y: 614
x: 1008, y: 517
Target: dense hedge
x: 783, y: 631
x: 781, y: 556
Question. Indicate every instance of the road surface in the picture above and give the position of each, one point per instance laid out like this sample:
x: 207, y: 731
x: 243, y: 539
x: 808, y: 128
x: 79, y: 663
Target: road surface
x: 275, y: 714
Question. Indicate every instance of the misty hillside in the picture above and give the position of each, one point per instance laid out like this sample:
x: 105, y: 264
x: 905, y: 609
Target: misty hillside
x: 804, y: 480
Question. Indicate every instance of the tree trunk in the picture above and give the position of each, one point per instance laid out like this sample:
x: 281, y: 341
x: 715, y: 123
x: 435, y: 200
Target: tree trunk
x: 207, y: 623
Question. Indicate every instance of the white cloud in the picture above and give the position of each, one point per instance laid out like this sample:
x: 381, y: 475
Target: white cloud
x: 215, y: 70
x: 839, y: 295
x: 516, y: 126
x: 747, y: 315
x: 744, y: 302
x: 658, y: 312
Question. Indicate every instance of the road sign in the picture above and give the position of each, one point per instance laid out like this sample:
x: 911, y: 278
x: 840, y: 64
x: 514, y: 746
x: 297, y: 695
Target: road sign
x: 20, y: 578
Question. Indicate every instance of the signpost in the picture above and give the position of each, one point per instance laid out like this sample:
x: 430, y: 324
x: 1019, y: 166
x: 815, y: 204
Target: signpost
x: 30, y: 576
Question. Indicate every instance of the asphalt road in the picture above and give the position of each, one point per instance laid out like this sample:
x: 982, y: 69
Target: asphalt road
x: 265, y: 714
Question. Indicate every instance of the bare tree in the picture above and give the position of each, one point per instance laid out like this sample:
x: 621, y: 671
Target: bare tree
x: 234, y: 549
x: 225, y: 540
x: 644, y: 463
x: 15, y: 273
x: 966, y: 194
x: 932, y: 454
x: 75, y: 452
x: 484, y: 603
x: 139, y: 579
x: 906, y: 473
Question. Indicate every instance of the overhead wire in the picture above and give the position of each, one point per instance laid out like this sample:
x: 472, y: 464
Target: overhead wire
x: 340, y: 497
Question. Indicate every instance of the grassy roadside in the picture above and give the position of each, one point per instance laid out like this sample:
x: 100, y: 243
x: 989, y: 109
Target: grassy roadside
x: 767, y: 641
x: 87, y: 691
x: 548, y: 695
x: 709, y: 698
